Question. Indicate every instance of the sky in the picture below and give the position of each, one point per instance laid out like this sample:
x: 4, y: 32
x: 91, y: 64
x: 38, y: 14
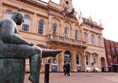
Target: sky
x: 106, y: 10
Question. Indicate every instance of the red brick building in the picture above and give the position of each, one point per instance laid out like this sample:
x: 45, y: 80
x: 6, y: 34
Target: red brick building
x: 111, y: 48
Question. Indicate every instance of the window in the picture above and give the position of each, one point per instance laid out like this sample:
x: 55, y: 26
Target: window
x: 26, y: 23
x: 8, y: 14
x: 85, y: 36
x: 87, y: 60
x: 54, y: 60
x: 94, y: 60
x: 76, y: 34
x: 54, y: 28
x: 109, y: 56
x: 114, y: 56
x: 99, y: 42
x: 108, y: 47
x: 113, y: 49
x: 48, y: 60
x: 92, y: 40
x: 77, y: 59
x: 66, y: 32
x: 117, y: 51
x: 41, y: 27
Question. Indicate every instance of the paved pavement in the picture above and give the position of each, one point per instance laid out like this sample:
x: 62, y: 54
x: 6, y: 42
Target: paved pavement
x: 79, y: 78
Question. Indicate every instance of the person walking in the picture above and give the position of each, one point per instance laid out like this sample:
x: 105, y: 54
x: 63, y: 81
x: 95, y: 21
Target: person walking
x: 67, y: 68
x: 64, y: 68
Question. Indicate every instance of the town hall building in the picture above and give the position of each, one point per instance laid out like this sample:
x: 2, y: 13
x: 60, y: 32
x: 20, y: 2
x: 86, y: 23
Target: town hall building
x: 44, y: 25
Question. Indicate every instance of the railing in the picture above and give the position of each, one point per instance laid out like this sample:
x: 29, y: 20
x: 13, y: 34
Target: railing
x: 56, y: 38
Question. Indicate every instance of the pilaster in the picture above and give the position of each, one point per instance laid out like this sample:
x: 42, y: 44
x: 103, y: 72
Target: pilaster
x: 61, y: 61
x: 83, y: 61
x: 1, y: 10
x: 91, y: 59
x: 74, y: 68
x: 34, y: 27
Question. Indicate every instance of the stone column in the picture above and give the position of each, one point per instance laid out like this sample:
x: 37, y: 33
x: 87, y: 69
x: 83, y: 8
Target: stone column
x: 99, y: 63
x: 61, y: 61
x: 60, y: 29
x: 1, y: 10
x: 83, y: 61
x: 35, y: 23
x: 73, y: 57
x: 82, y: 33
x: 50, y: 24
x: 92, y: 62
x: 91, y: 59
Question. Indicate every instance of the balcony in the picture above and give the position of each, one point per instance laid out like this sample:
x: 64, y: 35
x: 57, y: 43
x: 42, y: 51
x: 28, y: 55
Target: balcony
x: 60, y: 39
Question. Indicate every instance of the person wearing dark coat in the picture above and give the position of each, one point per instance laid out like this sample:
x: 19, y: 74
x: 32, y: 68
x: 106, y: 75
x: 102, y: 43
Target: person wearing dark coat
x: 64, y: 69
x: 68, y: 68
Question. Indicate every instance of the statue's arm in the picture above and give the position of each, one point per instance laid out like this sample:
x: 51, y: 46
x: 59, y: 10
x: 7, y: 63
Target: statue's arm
x: 9, y: 34
x: 0, y: 23
x: 16, y: 39
x: 16, y: 31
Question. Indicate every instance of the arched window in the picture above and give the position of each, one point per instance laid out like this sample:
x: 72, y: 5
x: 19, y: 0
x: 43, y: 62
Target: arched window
x: 85, y: 36
x: 76, y: 34
x: 87, y: 60
x: 95, y: 60
x: 99, y: 41
x: 41, y: 27
x: 92, y: 40
x: 66, y: 32
x: 48, y: 60
x: 77, y: 59
x: 8, y: 14
x: 54, y: 28
x: 26, y: 23
x: 55, y: 60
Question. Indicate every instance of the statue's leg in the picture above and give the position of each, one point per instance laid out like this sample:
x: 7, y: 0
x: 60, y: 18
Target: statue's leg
x: 18, y: 51
x: 25, y: 51
x: 35, y: 64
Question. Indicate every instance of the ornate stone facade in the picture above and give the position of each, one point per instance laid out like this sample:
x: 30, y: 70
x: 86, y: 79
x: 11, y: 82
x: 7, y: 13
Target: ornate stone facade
x: 45, y: 26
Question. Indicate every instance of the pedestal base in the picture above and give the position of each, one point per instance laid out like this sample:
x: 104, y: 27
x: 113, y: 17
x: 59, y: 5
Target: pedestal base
x: 12, y: 70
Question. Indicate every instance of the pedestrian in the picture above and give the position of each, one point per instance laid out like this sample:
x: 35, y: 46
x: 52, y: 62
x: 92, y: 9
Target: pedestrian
x: 67, y: 68
x: 64, y: 68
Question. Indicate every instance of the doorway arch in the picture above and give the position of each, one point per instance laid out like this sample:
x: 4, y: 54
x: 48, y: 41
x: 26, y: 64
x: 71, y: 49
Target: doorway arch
x: 103, y: 67
x: 67, y: 56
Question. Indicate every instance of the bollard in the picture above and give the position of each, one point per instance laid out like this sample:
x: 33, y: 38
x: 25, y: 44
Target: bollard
x: 46, y: 78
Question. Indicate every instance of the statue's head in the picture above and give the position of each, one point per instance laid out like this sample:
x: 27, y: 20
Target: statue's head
x: 18, y: 17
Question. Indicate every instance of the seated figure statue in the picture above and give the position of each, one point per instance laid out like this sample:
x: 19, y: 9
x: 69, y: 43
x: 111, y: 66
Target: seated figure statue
x: 13, y: 46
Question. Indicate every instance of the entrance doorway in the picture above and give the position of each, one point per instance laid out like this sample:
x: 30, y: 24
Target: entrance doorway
x: 67, y: 57
x: 103, y: 64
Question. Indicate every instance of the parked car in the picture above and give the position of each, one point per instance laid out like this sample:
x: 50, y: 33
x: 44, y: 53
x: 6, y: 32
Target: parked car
x: 97, y: 69
x: 88, y: 69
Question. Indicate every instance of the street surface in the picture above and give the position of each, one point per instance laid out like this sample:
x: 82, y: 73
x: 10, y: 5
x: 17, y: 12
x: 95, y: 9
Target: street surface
x: 79, y: 78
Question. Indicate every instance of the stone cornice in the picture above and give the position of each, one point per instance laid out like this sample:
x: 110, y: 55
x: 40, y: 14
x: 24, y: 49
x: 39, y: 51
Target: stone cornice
x: 35, y: 3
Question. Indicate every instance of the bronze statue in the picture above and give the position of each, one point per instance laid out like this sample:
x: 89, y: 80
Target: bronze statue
x: 15, y: 48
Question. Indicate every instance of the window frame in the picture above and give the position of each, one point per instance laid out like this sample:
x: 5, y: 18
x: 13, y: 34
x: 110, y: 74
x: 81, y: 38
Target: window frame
x: 92, y: 39
x: 41, y: 26
x: 54, y: 28
x: 86, y: 37
x: 26, y: 23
